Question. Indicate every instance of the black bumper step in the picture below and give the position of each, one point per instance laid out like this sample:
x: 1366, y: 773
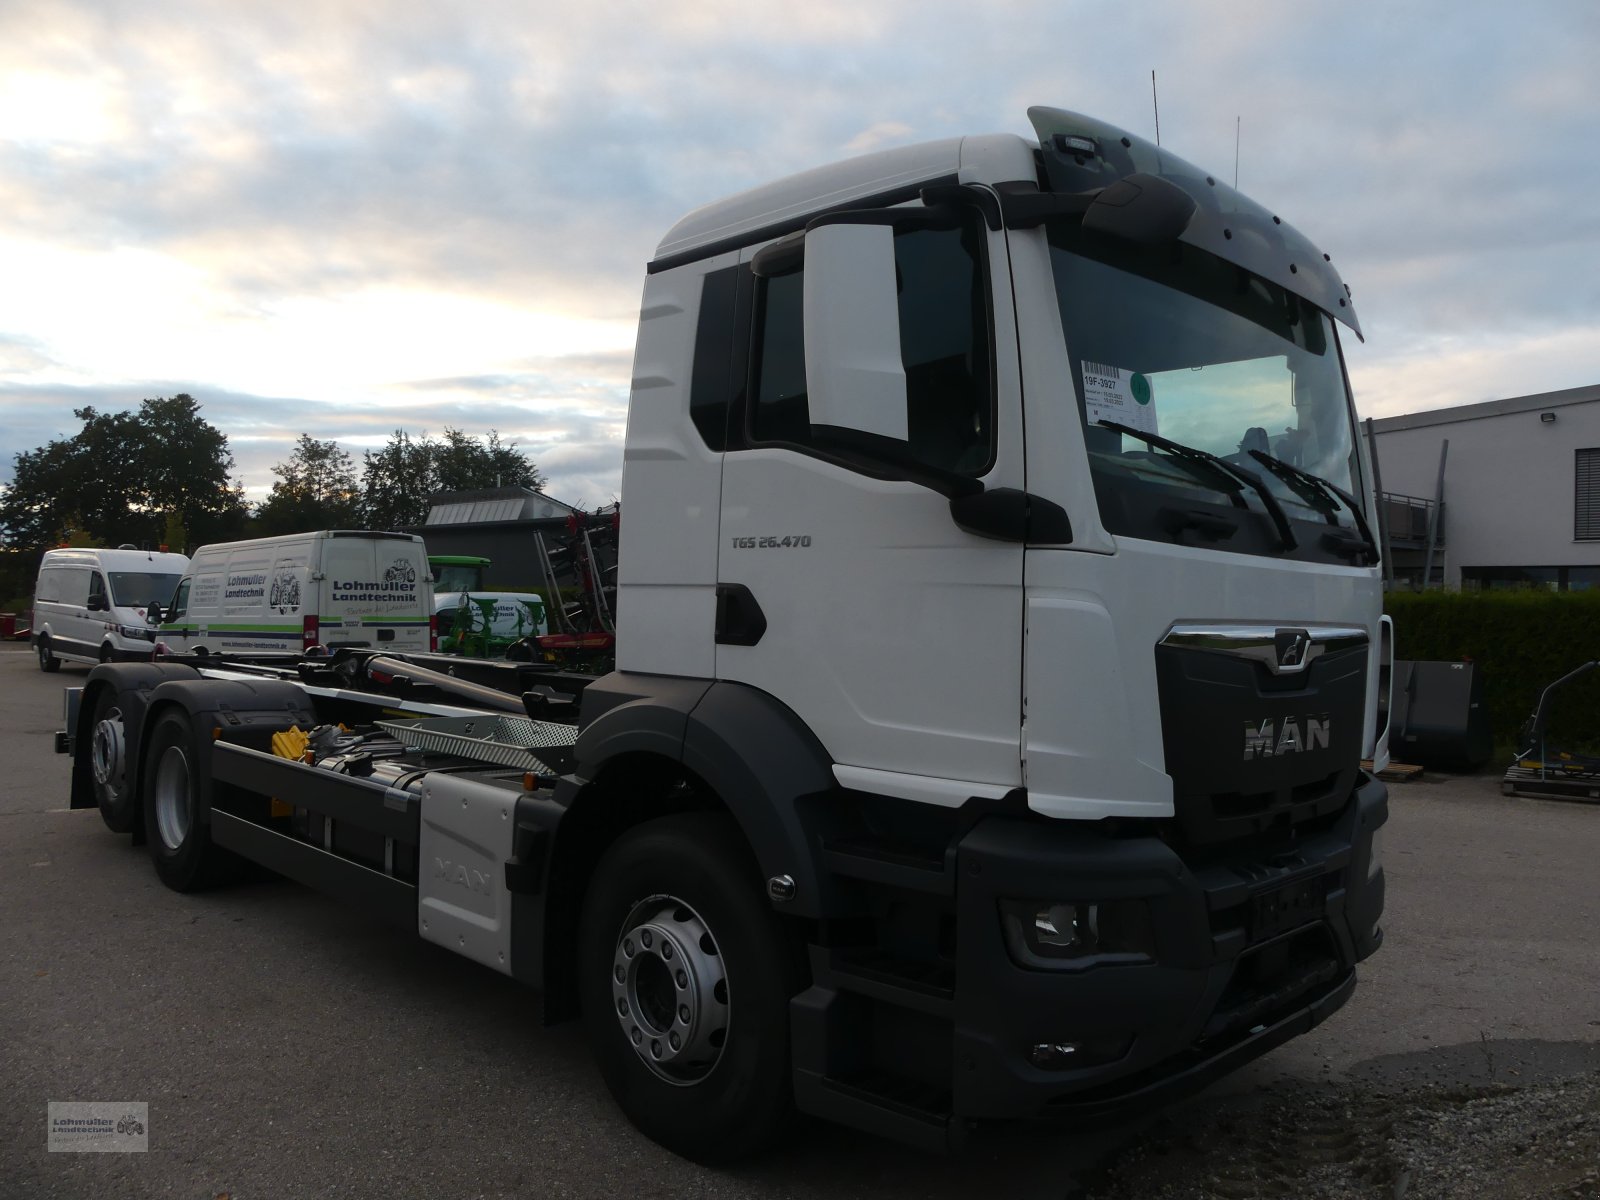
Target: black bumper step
x: 890, y: 864
x: 919, y: 986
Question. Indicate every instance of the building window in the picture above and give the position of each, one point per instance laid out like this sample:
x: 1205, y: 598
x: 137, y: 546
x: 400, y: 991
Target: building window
x: 1586, y: 489
x: 1545, y: 579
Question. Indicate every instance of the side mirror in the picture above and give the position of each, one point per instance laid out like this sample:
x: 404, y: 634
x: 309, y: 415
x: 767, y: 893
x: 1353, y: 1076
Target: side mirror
x: 855, y: 378
x: 98, y: 603
x: 152, y: 613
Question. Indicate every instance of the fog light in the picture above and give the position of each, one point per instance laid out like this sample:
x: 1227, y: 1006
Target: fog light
x: 1053, y: 1055
x: 1094, y: 1050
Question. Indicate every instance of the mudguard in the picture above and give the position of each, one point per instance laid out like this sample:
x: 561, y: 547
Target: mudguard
x: 133, y: 683
x: 759, y: 759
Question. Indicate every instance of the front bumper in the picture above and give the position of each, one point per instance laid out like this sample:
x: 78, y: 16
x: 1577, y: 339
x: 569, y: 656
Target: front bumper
x: 1229, y: 979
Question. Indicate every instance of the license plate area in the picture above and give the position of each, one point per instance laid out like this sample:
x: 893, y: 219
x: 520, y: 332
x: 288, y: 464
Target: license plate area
x: 1287, y: 907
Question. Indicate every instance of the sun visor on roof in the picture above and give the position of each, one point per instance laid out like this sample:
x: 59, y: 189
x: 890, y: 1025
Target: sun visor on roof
x: 1081, y: 154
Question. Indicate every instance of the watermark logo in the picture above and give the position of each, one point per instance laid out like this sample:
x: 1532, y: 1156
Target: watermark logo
x: 98, y: 1127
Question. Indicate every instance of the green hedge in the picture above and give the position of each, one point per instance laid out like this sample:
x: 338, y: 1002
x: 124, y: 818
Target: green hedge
x: 1521, y: 641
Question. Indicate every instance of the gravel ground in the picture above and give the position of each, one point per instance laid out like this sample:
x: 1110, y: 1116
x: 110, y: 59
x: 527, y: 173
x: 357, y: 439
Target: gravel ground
x: 1539, y: 1142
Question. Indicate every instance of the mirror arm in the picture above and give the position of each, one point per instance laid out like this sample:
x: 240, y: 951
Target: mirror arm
x: 1024, y: 206
x: 964, y: 195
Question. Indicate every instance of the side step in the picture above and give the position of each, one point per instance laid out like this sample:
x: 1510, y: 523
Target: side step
x: 894, y: 981
x: 899, y: 1110
x: 877, y: 861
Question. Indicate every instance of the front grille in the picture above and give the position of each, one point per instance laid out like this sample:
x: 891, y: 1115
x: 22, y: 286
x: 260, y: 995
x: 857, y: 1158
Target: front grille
x: 1249, y: 754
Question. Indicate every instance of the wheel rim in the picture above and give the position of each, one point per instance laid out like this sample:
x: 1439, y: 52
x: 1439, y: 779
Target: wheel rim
x: 44, y: 653
x: 106, y: 757
x: 172, y: 797
x: 669, y: 990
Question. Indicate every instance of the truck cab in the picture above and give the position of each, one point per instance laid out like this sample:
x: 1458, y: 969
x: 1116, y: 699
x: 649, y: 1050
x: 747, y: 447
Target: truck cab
x: 1021, y: 478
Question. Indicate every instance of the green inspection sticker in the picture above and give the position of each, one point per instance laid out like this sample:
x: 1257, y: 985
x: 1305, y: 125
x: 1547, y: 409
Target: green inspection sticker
x: 1140, y: 387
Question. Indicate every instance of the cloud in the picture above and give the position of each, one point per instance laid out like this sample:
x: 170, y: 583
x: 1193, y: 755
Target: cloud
x: 341, y: 219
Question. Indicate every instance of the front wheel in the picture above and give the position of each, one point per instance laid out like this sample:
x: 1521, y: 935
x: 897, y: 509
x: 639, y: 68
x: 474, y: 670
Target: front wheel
x: 48, y: 662
x: 180, y: 842
x: 686, y: 979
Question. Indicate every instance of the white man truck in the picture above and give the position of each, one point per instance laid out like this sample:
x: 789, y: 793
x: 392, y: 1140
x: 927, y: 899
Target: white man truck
x: 997, y: 652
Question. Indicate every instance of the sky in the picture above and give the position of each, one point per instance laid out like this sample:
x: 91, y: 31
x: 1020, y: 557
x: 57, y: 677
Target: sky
x: 345, y: 218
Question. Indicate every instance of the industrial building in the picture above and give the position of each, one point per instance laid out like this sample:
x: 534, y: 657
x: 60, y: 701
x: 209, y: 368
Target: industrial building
x: 1507, y: 491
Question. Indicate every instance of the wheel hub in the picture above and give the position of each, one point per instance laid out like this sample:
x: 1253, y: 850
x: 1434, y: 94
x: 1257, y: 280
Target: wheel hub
x: 669, y: 990
x: 172, y: 797
x: 106, y: 751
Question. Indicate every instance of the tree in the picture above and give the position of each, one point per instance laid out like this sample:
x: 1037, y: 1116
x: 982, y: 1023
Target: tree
x: 399, y: 481
x: 462, y: 463
x: 122, y: 476
x: 316, y: 489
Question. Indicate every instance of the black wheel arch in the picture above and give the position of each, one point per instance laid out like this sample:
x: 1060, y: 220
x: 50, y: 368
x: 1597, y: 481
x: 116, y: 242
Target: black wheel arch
x: 655, y: 745
x: 734, y: 743
x: 133, y: 684
x: 246, y: 710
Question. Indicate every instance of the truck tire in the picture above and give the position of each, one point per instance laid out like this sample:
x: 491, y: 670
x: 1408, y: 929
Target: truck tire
x: 108, y: 763
x: 686, y: 977
x: 180, y: 844
x: 48, y: 662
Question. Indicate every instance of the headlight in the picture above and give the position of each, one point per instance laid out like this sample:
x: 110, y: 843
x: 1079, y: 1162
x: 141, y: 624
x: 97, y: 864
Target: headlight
x: 1043, y: 933
x: 143, y: 633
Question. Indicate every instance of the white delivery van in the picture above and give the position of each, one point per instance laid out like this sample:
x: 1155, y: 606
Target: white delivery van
x: 285, y: 595
x: 89, y: 605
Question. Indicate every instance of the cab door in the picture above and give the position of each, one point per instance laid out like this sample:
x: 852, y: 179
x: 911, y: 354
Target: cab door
x: 846, y: 589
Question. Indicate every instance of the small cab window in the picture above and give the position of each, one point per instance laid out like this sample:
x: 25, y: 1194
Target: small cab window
x: 74, y: 586
x: 945, y: 347
x: 97, y: 592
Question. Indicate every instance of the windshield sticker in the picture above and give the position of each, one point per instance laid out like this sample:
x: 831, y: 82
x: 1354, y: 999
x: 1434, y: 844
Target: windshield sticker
x: 1112, y: 394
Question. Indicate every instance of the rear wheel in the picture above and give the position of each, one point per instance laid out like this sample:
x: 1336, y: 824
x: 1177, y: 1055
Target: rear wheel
x: 48, y: 662
x: 180, y: 842
x: 686, y: 980
x: 108, y: 763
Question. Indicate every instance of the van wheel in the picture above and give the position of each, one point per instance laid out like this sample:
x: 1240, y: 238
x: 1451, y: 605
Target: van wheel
x: 180, y: 845
x: 108, y: 763
x: 48, y: 662
x: 685, y: 978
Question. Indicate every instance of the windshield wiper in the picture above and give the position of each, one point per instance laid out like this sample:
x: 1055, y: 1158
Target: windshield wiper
x: 1324, y: 495
x: 1221, y: 466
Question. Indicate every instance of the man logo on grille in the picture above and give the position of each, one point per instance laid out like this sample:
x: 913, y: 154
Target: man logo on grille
x: 1291, y: 645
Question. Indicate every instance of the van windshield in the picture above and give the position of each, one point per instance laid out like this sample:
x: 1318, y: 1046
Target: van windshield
x: 140, y: 589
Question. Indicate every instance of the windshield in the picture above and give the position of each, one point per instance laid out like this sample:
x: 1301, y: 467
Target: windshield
x: 457, y: 577
x: 140, y: 589
x: 1180, y: 346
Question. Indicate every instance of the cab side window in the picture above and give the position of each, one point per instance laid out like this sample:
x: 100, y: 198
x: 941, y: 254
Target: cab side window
x: 945, y: 346
x: 180, y: 602
x: 97, y: 592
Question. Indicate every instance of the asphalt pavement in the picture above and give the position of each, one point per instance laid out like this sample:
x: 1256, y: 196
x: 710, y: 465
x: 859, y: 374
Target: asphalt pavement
x: 289, y: 1047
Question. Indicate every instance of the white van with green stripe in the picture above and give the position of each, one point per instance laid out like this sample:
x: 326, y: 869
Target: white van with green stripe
x: 286, y: 595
